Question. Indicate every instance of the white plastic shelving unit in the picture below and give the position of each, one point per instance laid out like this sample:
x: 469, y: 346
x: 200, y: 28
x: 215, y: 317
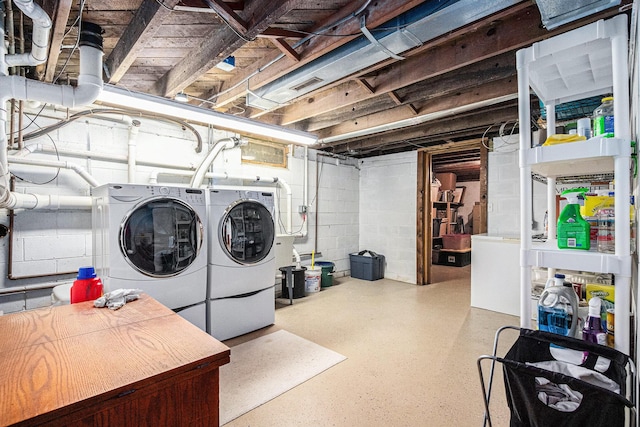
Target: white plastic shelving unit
x: 588, y: 61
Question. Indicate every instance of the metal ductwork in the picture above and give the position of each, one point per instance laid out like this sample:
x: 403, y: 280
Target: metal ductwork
x: 555, y: 13
x: 411, y: 29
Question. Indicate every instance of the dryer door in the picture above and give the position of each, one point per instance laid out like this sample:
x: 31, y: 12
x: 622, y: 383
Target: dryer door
x: 161, y: 237
x: 247, y: 232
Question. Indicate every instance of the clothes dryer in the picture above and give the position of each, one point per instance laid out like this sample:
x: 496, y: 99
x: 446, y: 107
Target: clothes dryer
x: 152, y: 237
x: 241, y: 271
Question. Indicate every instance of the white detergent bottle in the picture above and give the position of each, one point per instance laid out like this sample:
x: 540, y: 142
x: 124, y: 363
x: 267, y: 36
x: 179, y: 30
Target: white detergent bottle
x: 558, y: 308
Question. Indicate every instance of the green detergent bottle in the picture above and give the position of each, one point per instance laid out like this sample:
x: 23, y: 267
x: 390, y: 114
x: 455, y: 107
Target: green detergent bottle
x: 573, y: 230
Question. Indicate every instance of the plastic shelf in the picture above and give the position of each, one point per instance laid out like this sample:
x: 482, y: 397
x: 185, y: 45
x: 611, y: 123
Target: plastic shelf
x: 577, y: 64
x: 579, y: 260
x: 585, y: 62
x: 577, y: 158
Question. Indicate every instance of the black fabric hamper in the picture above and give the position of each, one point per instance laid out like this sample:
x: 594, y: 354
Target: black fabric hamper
x: 533, y: 392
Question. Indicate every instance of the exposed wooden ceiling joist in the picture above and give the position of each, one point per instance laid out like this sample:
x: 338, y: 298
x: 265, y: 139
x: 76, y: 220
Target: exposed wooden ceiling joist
x: 220, y: 45
x: 142, y: 28
x: 377, y: 14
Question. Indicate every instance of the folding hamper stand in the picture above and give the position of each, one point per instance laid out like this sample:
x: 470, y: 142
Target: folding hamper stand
x: 553, y: 380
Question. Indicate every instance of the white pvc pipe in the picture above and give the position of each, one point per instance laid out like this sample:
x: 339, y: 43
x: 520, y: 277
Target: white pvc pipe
x: 57, y: 164
x: 287, y: 188
x: 20, y: 88
x: 305, y: 193
x: 89, y: 84
x: 49, y: 202
x: 131, y: 163
x: 201, y: 171
x: 297, y: 257
x: 40, y: 36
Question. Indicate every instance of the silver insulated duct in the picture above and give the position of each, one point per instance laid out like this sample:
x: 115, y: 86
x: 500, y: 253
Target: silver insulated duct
x: 412, y: 29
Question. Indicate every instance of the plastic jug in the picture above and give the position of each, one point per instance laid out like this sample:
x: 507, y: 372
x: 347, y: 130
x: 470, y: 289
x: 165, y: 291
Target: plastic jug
x: 558, y: 310
x: 87, y: 286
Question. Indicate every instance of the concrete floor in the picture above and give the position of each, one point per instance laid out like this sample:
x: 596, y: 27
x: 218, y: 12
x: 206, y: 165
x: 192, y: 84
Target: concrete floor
x: 411, y: 356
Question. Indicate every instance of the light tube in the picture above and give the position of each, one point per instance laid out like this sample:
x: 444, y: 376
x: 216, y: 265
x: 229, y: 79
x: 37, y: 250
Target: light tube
x: 119, y: 97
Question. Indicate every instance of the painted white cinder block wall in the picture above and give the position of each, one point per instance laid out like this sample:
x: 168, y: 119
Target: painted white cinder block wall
x: 47, y: 247
x: 503, y: 201
x: 388, y: 188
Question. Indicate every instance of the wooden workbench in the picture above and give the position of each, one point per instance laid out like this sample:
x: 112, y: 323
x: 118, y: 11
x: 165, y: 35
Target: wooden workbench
x: 79, y: 365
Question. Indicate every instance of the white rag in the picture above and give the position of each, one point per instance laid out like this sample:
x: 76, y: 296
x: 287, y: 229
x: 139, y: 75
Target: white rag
x: 116, y: 299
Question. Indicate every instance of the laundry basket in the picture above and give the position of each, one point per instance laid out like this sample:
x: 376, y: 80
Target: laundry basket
x: 553, y: 380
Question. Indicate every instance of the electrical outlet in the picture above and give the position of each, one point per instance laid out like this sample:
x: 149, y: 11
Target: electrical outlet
x: 302, y: 209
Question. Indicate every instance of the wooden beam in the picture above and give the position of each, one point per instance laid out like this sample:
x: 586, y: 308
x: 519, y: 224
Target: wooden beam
x: 490, y: 90
x: 365, y: 85
x: 286, y: 49
x: 220, y: 45
x: 412, y: 109
x: 61, y: 16
x: 377, y: 14
x: 394, y: 97
x: 280, y: 33
x: 202, y: 6
x: 435, y: 131
x: 342, y: 97
x: 142, y: 27
x: 228, y: 15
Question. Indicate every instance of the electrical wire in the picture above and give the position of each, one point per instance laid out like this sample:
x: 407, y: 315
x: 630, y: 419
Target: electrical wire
x: 45, y: 182
x: 161, y: 3
x: 299, y: 43
x: 99, y: 111
x: 77, y: 43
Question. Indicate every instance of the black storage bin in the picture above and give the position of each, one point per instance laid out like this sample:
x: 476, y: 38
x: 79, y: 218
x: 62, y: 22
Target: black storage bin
x: 454, y: 258
x: 365, y: 267
x: 298, y: 282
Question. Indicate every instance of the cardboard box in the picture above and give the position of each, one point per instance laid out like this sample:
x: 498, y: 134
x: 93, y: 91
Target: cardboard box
x: 435, y: 190
x: 367, y: 265
x: 447, y: 180
x: 443, y: 227
x: 479, y: 220
x: 456, y: 241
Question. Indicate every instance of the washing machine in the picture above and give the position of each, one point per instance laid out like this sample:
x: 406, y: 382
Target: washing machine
x: 241, y: 271
x: 152, y: 237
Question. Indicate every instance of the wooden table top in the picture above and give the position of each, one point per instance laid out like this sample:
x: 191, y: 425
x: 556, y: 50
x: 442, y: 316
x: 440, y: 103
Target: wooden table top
x: 54, y: 357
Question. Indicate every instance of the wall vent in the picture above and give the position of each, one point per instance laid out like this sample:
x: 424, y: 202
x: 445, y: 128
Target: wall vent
x: 312, y: 81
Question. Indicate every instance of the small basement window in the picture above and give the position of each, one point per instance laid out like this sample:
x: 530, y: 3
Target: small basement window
x: 264, y: 153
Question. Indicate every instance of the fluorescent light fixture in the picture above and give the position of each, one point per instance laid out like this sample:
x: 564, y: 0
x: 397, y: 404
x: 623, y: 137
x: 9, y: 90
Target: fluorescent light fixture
x: 228, y: 64
x: 181, y: 97
x: 119, y: 97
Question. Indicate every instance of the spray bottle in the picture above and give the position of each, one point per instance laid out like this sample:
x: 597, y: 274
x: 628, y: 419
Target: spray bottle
x: 573, y: 230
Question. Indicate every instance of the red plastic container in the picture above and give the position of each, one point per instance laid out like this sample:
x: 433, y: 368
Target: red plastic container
x: 87, y: 287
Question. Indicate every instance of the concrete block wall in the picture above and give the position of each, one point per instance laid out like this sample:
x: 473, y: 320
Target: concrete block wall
x: 52, y: 245
x: 503, y: 201
x: 388, y: 191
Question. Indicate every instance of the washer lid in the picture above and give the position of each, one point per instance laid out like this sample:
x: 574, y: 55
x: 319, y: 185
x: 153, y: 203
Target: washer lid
x: 161, y: 237
x: 247, y: 231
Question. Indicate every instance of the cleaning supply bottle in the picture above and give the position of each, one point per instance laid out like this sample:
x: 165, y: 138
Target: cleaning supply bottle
x: 603, y: 118
x: 573, y: 231
x: 87, y: 286
x: 558, y: 308
x: 593, y: 331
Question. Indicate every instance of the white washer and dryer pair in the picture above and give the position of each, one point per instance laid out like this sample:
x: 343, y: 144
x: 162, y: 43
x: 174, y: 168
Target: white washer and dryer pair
x: 242, y: 266
x: 152, y: 237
